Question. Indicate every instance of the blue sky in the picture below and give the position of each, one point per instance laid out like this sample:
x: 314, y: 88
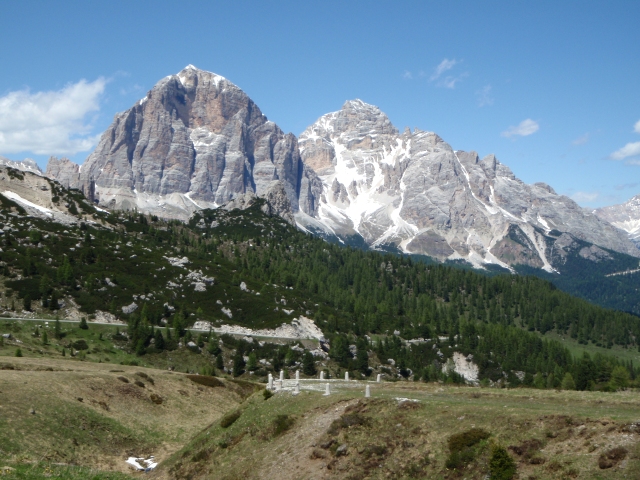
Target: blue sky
x: 550, y: 87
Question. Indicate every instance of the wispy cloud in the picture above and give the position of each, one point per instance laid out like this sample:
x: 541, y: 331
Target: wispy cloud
x: 624, y: 186
x: 407, y: 75
x: 53, y: 122
x: 525, y: 128
x: 444, y: 66
x: 582, y: 139
x: 585, y: 197
x: 484, y: 96
x: 446, y: 81
x: 636, y: 127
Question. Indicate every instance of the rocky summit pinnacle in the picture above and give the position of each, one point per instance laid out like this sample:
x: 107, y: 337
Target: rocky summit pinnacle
x: 411, y: 190
x: 194, y: 141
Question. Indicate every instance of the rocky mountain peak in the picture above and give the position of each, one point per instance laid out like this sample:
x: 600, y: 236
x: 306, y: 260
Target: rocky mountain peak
x: 414, y: 192
x: 194, y: 141
x: 625, y: 216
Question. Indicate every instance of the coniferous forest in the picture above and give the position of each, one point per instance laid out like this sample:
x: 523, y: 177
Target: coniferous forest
x: 259, y: 271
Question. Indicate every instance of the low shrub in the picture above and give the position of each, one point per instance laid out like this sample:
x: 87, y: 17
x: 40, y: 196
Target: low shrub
x: 80, y: 345
x: 206, y: 380
x: 282, y: 423
x: 230, y: 418
x: 461, y: 447
x: 610, y: 458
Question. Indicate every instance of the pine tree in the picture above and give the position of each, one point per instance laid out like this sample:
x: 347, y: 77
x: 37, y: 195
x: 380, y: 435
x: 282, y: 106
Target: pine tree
x: 308, y: 364
x: 45, y: 338
x: 57, y: 330
x: 567, y: 382
x: 26, y: 303
x: 159, y: 340
x: 238, y: 365
x: 252, y: 364
x: 83, y: 324
x: 619, y: 378
x: 219, y: 362
x: 501, y: 465
x: 18, y: 352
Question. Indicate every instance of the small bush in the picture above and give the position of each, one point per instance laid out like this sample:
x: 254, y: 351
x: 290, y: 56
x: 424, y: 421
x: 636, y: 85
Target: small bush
x: 345, y: 421
x: 123, y: 379
x: 459, y: 441
x: 230, y: 418
x: 501, y: 465
x: 80, y: 345
x: 157, y: 399
x: 18, y: 352
x: 611, y: 457
x: 206, y: 380
x: 267, y: 394
x: 281, y: 424
x: 461, y: 451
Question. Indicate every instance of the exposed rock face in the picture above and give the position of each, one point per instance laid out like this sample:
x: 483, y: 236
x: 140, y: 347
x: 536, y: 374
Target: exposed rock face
x: 412, y: 190
x: 66, y: 172
x: 195, y: 141
x: 198, y: 141
x: 26, y: 165
x: 625, y: 216
x: 34, y: 193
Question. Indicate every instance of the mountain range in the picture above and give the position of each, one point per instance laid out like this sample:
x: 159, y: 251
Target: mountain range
x: 197, y: 141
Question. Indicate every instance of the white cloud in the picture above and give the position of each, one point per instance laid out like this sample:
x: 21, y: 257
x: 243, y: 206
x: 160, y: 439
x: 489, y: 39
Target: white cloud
x: 448, y: 81
x: 581, y: 140
x: 484, y: 96
x: 51, y: 122
x: 526, y: 127
x: 407, y: 75
x: 636, y: 127
x: 585, y: 197
x: 629, y: 150
x: 444, y: 65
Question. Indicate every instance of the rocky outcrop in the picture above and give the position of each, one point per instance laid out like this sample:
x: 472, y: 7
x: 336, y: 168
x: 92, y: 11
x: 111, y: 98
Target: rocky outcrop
x: 35, y: 194
x: 411, y: 190
x: 194, y: 141
x: 66, y: 172
x: 625, y: 216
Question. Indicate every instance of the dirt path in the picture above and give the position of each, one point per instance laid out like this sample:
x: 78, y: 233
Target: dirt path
x: 292, y: 461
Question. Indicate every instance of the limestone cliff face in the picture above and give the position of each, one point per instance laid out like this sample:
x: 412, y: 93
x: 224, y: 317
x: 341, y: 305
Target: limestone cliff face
x: 413, y: 191
x: 195, y: 141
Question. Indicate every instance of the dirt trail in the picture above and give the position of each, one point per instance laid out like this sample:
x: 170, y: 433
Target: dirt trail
x: 293, y: 460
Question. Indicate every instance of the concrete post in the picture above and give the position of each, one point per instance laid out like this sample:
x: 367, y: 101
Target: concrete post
x: 346, y: 376
x: 270, y: 384
x: 327, y: 390
x: 281, y: 375
x: 296, y: 389
x: 321, y: 374
x: 379, y: 378
x: 297, y: 375
x: 278, y: 385
x: 367, y: 392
